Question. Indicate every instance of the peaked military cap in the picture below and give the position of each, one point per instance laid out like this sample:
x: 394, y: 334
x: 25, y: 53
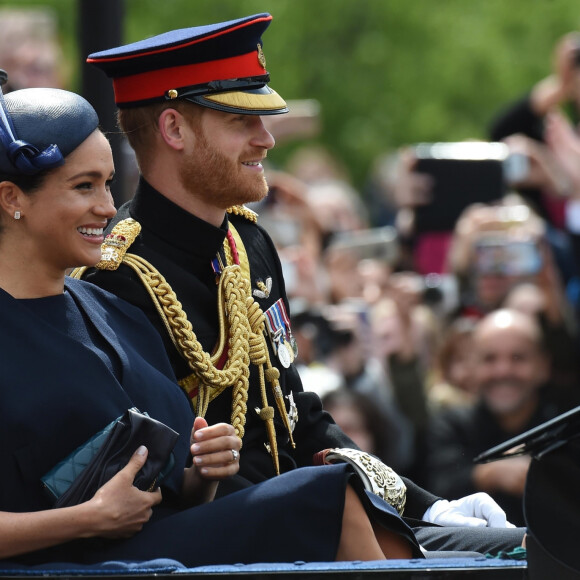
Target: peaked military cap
x: 221, y: 66
x: 40, y: 127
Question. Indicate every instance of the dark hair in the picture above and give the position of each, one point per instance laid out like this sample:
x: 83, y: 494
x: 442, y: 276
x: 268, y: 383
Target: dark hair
x: 27, y: 183
x: 374, y: 421
x: 457, y: 331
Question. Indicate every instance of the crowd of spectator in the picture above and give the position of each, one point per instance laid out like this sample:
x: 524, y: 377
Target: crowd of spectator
x: 430, y: 346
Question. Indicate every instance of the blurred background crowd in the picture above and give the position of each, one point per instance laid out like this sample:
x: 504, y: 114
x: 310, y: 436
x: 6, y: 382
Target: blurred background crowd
x: 436, y: 302
x: 437, y: 310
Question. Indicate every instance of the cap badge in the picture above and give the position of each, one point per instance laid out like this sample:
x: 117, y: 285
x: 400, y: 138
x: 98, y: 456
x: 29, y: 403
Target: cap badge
x: 261, y: 57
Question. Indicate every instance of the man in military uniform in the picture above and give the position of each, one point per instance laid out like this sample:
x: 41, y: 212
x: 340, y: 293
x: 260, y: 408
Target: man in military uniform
x: 188, y: 253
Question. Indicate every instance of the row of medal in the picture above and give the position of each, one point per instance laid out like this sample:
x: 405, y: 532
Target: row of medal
x: 283, y: 343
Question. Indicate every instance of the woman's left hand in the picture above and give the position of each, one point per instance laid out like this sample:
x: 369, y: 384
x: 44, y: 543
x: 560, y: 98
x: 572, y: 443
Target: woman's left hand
x: 215, y: 451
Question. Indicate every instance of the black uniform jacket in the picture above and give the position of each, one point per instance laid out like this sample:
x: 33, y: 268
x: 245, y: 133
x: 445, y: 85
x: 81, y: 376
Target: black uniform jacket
x: 182, y: 246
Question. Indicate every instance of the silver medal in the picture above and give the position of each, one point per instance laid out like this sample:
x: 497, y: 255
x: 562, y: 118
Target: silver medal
x: 283, y: 355
x: 294, y: 345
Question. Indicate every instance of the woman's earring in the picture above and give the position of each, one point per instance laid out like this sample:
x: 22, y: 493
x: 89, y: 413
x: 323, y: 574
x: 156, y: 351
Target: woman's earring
x: 16, y: 215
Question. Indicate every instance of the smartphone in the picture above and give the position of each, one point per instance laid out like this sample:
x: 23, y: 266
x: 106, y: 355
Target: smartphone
x: 502, y: 256
x: 463, y: 173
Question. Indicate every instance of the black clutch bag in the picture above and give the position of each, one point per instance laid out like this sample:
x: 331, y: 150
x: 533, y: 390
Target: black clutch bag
x: 77, y: 477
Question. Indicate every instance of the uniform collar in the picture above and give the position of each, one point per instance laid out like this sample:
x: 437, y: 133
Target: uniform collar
x: 175, y: 226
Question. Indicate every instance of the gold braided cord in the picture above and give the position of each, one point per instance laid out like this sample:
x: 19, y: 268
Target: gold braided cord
x: 244, y: 345
x: 241, y: 331
x: 78, y: 272
x: 243, y: 211
x: 235, y: 325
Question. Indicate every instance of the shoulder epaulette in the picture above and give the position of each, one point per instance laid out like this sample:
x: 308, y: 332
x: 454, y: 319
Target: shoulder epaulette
x: 243, y: 211
x: 117, y: 242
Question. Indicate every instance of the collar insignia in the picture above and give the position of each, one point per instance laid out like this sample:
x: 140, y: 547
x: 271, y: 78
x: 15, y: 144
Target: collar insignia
x: 117, y: 242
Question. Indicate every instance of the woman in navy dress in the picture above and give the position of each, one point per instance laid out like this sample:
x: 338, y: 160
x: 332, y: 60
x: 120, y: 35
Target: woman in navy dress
x: 74, y: 357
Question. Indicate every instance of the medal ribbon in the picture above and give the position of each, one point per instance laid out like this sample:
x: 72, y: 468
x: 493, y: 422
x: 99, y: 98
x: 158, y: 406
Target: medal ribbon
x: 216, y: 266
x: 278, y: 324
x: 274, y: 328
x: 285, y: 317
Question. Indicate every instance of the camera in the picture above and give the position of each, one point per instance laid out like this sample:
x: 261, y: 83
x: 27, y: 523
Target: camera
x: 440, y: 292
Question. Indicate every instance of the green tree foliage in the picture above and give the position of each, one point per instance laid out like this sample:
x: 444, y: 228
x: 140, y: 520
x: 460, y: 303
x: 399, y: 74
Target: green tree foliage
x: 386, y: 72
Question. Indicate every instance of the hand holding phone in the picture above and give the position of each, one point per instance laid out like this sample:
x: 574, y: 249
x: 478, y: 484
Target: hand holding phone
x: 505, y: 256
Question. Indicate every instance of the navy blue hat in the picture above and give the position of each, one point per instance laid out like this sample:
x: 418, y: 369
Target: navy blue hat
x: 221, y: 66
x: 40, y: 127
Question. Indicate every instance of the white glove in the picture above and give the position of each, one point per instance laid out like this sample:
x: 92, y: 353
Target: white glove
x: 477, y: 510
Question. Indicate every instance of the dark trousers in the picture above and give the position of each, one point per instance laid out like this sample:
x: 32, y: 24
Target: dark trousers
x: 480, y: 540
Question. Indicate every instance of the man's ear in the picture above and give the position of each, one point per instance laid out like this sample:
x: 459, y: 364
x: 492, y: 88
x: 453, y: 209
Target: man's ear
x: 171, y: 127
x: 11, y: 198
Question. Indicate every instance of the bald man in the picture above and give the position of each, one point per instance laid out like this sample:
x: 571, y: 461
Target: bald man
x: 511, y: 371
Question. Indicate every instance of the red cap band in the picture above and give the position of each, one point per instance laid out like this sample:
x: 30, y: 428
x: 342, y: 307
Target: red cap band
x: 154, y: 84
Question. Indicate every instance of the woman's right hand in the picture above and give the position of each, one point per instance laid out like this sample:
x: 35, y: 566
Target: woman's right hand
x: 117, y: 510
x: 121, y: 509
